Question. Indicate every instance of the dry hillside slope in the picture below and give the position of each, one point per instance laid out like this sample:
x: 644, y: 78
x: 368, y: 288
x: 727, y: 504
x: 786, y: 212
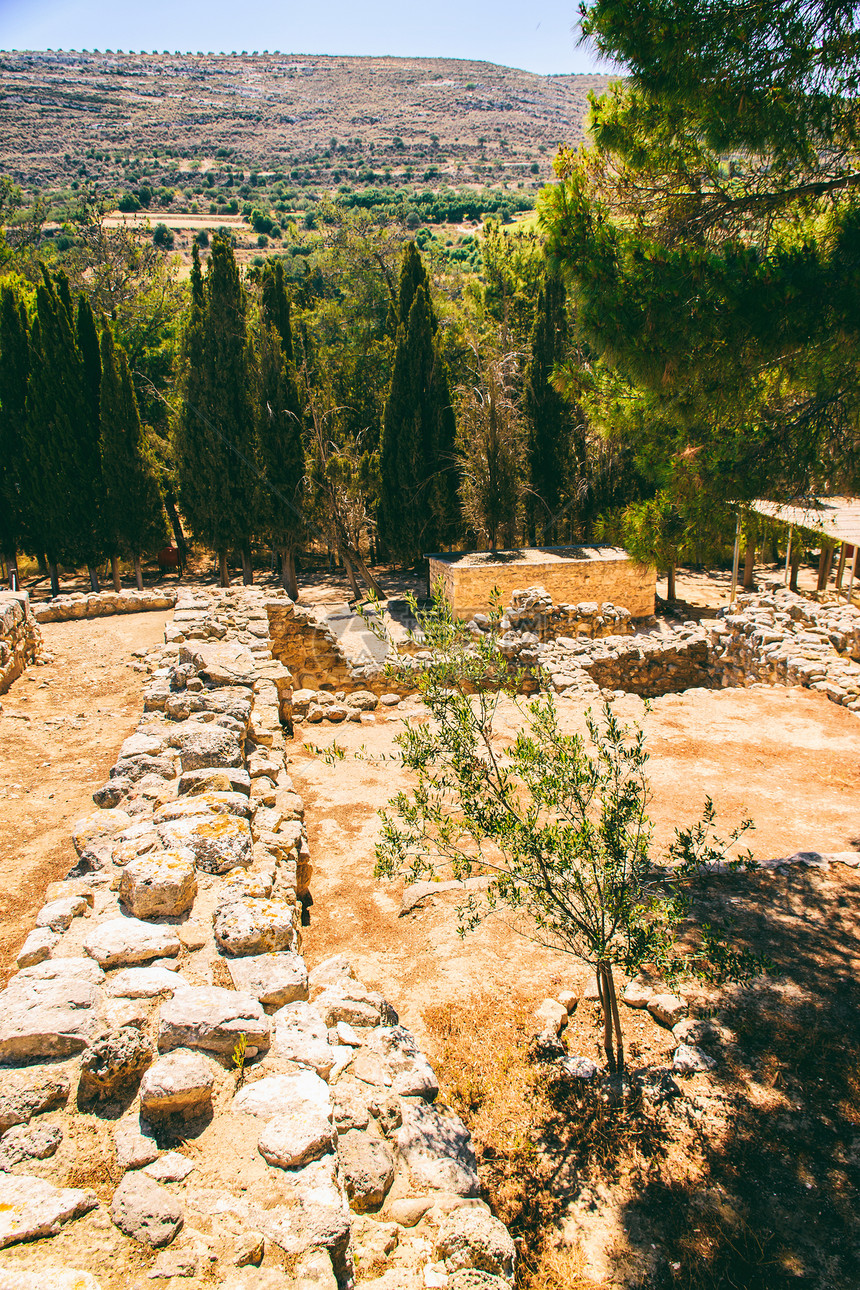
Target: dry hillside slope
x: 274, y: 111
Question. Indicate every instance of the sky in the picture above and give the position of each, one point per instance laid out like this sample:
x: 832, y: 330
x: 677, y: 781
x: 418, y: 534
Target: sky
x: 539, y: 38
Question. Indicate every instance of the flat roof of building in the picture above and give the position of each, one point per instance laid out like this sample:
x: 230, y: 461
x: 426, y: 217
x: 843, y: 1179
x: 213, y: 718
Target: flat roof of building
x: 528, y: 555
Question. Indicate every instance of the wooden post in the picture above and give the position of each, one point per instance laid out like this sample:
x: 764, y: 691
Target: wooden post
x: 788, y: 552
x: 735, y: 559
x: 841, y: 568
x: 853, y: 571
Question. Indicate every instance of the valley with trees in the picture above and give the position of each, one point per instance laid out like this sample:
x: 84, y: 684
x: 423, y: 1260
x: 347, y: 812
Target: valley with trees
x: 298, y: 322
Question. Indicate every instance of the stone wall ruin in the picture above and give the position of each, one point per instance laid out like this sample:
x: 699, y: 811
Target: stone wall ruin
x: 20, y: 638
x: 245, y: 1122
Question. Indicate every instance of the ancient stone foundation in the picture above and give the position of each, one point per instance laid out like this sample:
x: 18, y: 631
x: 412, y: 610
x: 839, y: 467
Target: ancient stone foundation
x: 568, y: 574
x: 20, y: 639
x: 179, y: 1097
x: 100, y: 604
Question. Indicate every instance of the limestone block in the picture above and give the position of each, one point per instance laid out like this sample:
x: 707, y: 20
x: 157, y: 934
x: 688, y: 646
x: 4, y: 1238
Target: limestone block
x: 473, y: 1238
x: 203, y: 746
x: 280, y: 1094
x: 368, y: 1169
x: 300, y: 1034
x: 252, y: 926
x: 24, y: 1095
x: 179, y: 1083
x: 145, y: 982
x: 668, y: 1009
x: 39, y: 945
x: 214, y: 779
x: 48, y: 1016
x: 211, y: 1018
x: 409, y: 1071
x: 209, y: 803
x: 437, y: 1149
x: 295, y: 1138
x: 115, y: 1062
x: 31, y: 1208
x: 274, y: 979
x: 23, y: 1143
x: 145, y: 1211
x: 122, y: 942
x: 162, y: 884
x: 218, y: 842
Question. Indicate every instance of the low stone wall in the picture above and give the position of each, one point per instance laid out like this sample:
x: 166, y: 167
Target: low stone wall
x: 317, y: 660
x: 533, y: 610
x: 100, y: 604
x: 570, y: 575
x: 247, y: 1122
x: 780, y: 638
x: 20, y: 639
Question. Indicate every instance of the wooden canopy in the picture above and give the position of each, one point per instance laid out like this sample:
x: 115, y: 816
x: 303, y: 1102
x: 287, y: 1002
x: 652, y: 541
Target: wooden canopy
x: 837, y: 518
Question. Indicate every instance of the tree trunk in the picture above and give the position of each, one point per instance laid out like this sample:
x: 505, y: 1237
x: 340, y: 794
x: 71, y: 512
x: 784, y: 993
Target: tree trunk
x: 670, y: 583
x: 749, y: 565
x: 179, y: 536
x: 55, y: 577
x: 223, y: 575
x: 114, y: 569
x: 353, y: 582
x: 138, y: 573
x: 12, y: 567
x: 247, y: 569
x: 613, y: 1039
x: 288, y: 573
x: 825, y: 560
x: 796, y: 553
x: 94, y: 577
x: 368, y: 578
x: 42, y: 561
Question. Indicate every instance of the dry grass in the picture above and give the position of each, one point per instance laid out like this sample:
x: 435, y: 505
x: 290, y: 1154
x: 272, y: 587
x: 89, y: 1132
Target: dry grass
x: 749, y: 1180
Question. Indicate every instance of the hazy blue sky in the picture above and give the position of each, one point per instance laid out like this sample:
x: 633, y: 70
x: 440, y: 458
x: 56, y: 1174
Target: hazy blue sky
x: 540, y: 37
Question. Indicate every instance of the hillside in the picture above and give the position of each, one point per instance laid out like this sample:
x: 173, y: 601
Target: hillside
x: 181, y: 124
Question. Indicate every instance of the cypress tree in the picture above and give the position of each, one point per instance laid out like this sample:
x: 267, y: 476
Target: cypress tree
x: 556, y: 427
x: 14, y: 375
x: 215, y: 444
x: 419, y: 507
x: 134, y: 513
x: 276, y: 305
x: 66, y: 477
x: 279, y: 427
x: 90, y: 430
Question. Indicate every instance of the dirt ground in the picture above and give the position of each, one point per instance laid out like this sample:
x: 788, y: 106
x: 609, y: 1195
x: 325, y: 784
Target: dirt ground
x: 61, y: 727
x: 786, y: 758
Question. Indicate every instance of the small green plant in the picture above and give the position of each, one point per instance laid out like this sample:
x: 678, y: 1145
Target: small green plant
x: 240, y: 1049
x: 555, y: 823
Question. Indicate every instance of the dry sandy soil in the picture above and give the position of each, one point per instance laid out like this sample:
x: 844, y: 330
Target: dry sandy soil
x: 787, y: 758
x: 61, y: 727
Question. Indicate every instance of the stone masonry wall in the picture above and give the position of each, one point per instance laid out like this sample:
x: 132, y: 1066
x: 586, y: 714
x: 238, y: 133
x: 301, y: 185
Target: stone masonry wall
x: 101, y: 604
x: 314, y: 655
x: 20, y: 639
x: 609, y: 575
x: 179, y: 1097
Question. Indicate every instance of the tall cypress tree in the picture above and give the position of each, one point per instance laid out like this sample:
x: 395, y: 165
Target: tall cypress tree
x: 279, y: 427
x: 419, y: 509
x: 89, y: 452
x: 66, y: 486
x: 134, y: 513
x: 556, y: 427
x: 276, y: 305
x: 215, y: 442
x: 14, y: 375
